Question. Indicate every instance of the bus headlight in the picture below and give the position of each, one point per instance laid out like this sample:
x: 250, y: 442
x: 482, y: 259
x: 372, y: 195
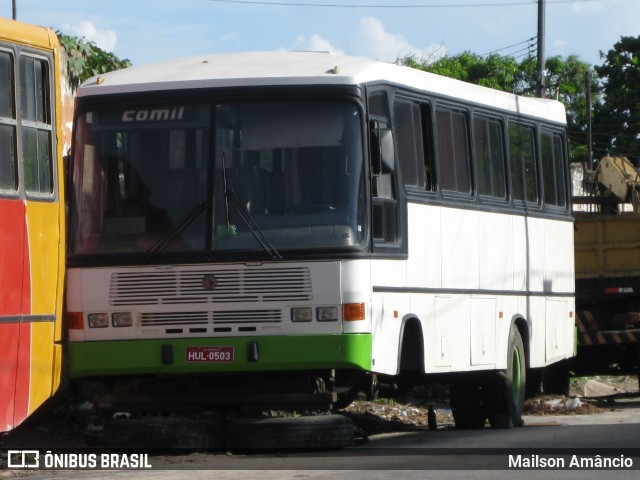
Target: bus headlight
x: 301, y: 314
x: 98, y: 320
x: 327, y: 314
x: 122, y: 319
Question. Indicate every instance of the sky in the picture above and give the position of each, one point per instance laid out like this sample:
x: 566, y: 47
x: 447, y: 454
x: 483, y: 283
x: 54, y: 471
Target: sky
x: 145, y: 31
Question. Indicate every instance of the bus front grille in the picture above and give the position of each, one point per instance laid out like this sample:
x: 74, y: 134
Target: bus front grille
x: 210, y: 286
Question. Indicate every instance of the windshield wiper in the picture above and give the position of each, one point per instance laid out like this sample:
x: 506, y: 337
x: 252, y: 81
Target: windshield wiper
x: 184, y: 222
x: 230, y: 196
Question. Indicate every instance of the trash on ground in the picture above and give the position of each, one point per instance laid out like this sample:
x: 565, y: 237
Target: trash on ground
x: 596, y: 389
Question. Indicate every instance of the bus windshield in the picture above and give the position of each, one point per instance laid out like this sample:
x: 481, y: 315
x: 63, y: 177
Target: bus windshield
x: 166, y: 179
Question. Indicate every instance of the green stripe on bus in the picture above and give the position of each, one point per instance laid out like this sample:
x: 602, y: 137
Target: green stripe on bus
x: 167, y: 356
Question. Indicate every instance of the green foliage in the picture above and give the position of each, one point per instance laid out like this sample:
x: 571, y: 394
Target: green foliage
x: 494, y: 71
x: 85, y: 59
x: 567, y: 82
x: 617, y: 118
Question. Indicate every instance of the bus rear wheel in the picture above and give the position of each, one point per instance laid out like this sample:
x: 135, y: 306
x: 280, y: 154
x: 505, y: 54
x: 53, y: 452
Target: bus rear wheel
x: 507, y: 403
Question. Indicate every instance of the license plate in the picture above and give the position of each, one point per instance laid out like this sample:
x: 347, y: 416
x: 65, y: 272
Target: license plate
x: 209, y: 354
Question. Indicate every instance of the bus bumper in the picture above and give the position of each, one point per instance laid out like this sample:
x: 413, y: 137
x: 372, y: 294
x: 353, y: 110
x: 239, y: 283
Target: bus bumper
x: 223, y: 355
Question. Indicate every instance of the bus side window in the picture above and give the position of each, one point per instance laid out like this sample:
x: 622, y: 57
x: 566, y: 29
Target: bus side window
x: 412, y: 125
x: 453, y: 150
x: 488, y: 149
x: 552, y: 152
x: 8, y: 161
x: 37, y: 149
x: 522, y: 156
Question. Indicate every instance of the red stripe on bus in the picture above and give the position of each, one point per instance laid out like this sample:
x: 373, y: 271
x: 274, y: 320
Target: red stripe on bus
x: 9, y: 333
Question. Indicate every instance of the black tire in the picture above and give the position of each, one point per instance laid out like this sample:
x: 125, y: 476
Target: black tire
x: 289, y: 433
x: 506, y: 403
x: 467, y: 404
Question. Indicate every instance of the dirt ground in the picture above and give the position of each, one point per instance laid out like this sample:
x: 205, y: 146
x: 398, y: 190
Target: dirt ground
x: 411, y: 412
x: 67, y: 423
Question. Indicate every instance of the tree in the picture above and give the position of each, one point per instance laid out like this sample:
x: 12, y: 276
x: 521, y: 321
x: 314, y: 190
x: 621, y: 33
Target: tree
x: 494, y: 71
x: 565, y: 82
x: 617, y: 118
x: 85, y: 59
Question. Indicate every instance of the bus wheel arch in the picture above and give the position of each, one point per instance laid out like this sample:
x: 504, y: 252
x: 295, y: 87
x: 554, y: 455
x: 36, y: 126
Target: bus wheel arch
x: 411, y: 358
x: 411, y: 347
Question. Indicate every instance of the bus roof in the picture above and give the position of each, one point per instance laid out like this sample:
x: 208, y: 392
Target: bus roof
x: 305, y: 68
x: 27, y: 34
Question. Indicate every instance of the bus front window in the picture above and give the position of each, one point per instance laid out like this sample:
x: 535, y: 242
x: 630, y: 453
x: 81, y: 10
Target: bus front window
x: 153, y: 179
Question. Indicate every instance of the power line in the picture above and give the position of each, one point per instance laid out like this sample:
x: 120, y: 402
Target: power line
x: 440, y: 5
x: 528, y: 41
x: 522, y: 54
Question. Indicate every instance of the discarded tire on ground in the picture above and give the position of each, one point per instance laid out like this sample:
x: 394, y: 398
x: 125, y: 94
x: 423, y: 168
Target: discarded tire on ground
x: 289, y: 433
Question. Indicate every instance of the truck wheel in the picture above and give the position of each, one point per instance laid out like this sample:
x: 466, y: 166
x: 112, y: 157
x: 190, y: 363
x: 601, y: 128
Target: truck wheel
x: 507, y: 401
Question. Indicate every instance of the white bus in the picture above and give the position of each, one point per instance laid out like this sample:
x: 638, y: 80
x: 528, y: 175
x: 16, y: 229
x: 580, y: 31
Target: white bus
x: 317, y: 224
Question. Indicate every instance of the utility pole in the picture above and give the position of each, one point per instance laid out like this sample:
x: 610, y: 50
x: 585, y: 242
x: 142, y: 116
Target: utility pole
x: 540, y: 81
x: 589, y: 127
x: 15, y: 9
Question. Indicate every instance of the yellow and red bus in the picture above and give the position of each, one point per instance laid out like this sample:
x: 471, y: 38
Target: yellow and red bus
x: 32, y: 223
